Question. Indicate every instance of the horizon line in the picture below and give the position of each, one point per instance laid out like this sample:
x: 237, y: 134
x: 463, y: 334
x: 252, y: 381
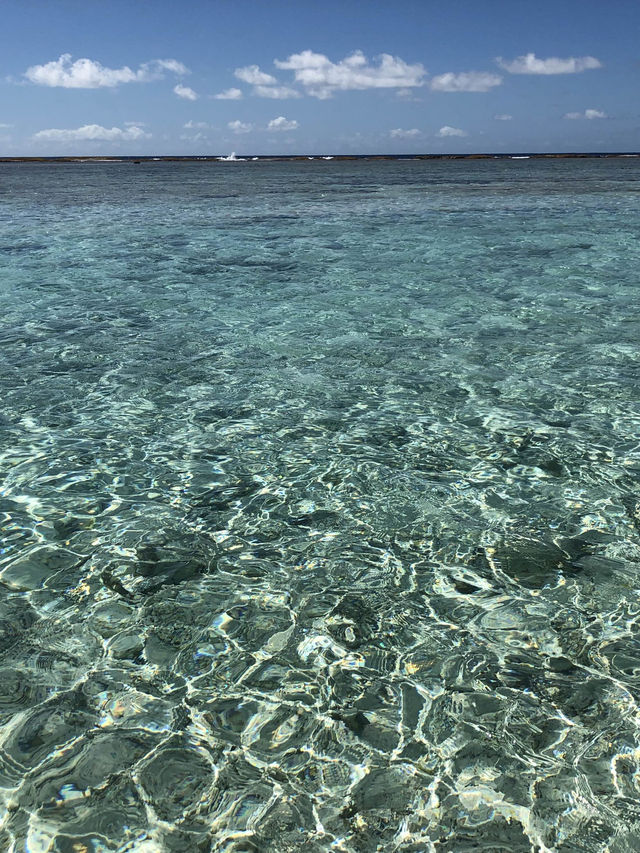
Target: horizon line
x: 285, y: 157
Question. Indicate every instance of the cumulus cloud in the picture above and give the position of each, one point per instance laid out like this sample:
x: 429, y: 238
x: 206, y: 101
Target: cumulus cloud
x: 595, y: 114
x: 195, y: 125
x: 167, y: 65
x: 92, y: 132
x: 321, y: 77
x: 197, y: 137
x: 503, y: 117
x: 451, y: 131
x: 88, y: 74
x: 253, y: 75
x: 276, y: 92
x: 531, y: 64
x: 185, y: 92
x: 238, y: 126
x: 465, y: 81
x: 4, y: 126
x: 399, y: 133
x: 281, y: 123
x: 264, y: 85
x: 588, y: 114
x: 229, y: 95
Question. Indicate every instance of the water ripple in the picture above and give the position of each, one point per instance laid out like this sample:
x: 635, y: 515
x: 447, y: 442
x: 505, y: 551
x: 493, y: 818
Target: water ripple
x: 320, y: 508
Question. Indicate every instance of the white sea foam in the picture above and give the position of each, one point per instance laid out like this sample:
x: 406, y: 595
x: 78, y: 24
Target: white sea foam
x: 232, y: 158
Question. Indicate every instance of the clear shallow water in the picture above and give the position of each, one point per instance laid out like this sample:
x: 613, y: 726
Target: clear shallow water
x: 321, y: 507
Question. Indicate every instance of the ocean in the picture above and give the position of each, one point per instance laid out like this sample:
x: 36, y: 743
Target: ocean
x: 320, y: 505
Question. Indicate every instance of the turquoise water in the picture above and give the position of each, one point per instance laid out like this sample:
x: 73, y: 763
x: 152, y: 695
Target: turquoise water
x: 321, y: 507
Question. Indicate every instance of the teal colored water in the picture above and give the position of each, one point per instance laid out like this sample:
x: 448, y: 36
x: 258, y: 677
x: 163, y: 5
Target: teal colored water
x: 321, y: 506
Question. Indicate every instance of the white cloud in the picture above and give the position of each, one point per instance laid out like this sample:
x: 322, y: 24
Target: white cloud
x: 185, y: 92
x: 238, y: 126
x: 253, y: 75
x: 195, y: 125
x: 321, y: 77
x: 399, y: 133
x: 87, y: 74
x: 4, y: 126
x: 276, y: 92
x: 197, y: 137
x: 229, y: 95
x: 281, y: 123
x: 264, y: 85
x: 92, y: 132
x: 451, y: 131
x: 465, y: 81
x: 167, y: 65
x: 530, y: 64
x: 503, y: 117
x: 588, y: 114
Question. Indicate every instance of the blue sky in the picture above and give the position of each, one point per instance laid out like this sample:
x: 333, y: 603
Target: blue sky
x: 299, y: 76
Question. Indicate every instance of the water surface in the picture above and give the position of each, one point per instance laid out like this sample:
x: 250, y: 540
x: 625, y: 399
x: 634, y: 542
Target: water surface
x: 321, y: 506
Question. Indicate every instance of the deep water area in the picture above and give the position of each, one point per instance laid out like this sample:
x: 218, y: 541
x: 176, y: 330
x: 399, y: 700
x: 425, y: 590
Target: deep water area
x: 320, y: 507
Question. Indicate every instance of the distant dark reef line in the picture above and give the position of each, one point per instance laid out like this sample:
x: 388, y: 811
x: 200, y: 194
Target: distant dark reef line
x: 211, y: 158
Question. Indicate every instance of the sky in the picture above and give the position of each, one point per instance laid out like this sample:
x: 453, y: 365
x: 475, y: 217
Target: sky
x: 156, y: 77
